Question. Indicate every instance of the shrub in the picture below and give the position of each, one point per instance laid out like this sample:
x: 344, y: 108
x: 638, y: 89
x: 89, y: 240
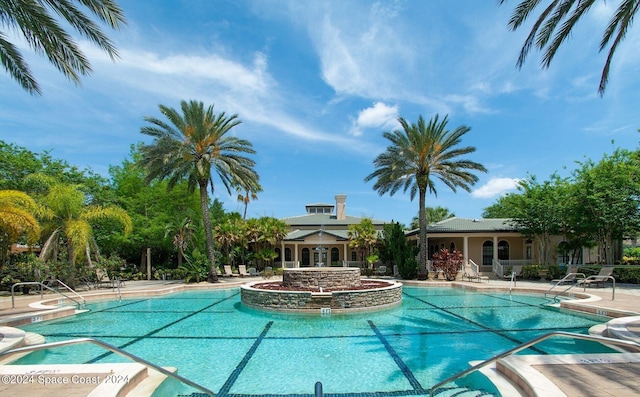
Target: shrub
x: 531, y: 272
x: 449, y: 262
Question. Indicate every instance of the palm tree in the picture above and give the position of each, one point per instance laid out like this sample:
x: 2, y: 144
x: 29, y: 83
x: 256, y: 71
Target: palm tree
x: 417, y: 153
x: 433, y: 214
x: 247, y: 193
x: 556, y: 21
x: 190, y: 147
x: 68, y: 220
x: 37, y: 22
x: 16, y: 219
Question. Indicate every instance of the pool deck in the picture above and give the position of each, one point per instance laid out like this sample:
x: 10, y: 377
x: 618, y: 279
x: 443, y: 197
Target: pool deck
x: 553, y: 375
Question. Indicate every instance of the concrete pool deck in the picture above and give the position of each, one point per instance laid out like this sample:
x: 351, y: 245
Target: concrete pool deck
x: 569, y: 375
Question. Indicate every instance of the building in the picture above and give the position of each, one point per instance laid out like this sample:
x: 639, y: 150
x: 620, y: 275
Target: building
x: 493, y: 244
x: 320, y: 237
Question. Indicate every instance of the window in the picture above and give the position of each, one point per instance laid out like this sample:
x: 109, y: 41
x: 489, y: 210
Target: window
x: 503, y: 250
x: 354, y: 256
x: 287, y: 254
x: 279, y: 257
x: 487, y: 253
x: 305, y: 257
x: 335, y: 255
x: 452, y: 246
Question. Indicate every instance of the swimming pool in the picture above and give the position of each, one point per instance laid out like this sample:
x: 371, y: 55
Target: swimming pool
x: 216, y: 341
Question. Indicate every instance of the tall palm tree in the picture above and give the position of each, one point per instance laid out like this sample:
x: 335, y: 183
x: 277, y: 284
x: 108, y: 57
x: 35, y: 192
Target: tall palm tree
x: 194, y: 146
x: 556, y: 21
x: 38, y: 22
x: 418, y: 153
x: 246, y: 194
x: 17, y: 219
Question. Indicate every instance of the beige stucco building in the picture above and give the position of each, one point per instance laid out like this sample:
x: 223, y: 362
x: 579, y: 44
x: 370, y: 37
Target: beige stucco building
x: 320, y: 237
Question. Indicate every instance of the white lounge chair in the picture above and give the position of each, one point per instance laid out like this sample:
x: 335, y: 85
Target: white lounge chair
x: 228, y: 272
x: 242, y: 270
x: 599, y: 279
x: 569, y: 278
x: 472, y: 274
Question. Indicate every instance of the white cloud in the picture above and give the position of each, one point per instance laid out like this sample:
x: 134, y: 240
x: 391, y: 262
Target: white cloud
x: 378, y: 116
x: 495, y: 187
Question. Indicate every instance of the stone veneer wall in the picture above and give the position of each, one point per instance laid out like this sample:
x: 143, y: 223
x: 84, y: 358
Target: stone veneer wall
x: 314, y: 301
x: 334, y: 278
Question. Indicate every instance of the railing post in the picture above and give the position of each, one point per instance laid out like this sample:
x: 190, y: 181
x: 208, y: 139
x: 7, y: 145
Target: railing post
x: 318, y: 389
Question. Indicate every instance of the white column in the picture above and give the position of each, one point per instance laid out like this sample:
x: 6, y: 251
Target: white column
x: 495, y: 248
x: 295, y: 255
x: 465, y: 249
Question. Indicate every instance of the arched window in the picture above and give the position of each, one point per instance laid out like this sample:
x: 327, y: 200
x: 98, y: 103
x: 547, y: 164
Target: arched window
x: 503, y: 250
x: 487, y: 253
x: 335, y: 255
x: 305, y: 257
x: 287, y: 254
x: 452, y: 246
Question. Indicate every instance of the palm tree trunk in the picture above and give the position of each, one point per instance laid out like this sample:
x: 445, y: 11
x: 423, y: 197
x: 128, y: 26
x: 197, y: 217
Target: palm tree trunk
x: 208, y: 230
x: 423, y: 273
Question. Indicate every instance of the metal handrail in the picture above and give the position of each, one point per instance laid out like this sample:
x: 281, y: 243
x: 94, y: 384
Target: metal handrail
x: 117, y: 284
x: 13, y: 301
x: 318, y: 389
x: 84, y: 301
x: 563, y: 280
x: 28, y: 349
x: 532, y: 342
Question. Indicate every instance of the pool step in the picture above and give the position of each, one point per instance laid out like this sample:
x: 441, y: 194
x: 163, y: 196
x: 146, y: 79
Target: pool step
x: 461, y: 392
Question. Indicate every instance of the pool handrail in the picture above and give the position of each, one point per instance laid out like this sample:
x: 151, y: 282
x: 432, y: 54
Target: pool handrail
x: 113, y: 349
x: 84, y: 301
x: 13, y: 301
x: 569, y: 276
x: 526, y: 345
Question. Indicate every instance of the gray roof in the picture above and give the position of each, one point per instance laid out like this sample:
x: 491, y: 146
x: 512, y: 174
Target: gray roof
x: 325, y: 220
x: 466, y: 225
x: 301, y: 234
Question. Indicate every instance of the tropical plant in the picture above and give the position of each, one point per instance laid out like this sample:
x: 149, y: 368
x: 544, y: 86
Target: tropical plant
x: 17, y: 220
x: 37, y: 22
x: 433, y: 214
x: 182, y: 234
x: 448, y: 262
x: 418, y: 153
x: 229, y: 235
x: 556, y: 22
x: 247, y: 193
x: 195, y: 267
x: 362, y: 237
x: 396, y: 250
x: 194, y: 146
x: 68, y: 218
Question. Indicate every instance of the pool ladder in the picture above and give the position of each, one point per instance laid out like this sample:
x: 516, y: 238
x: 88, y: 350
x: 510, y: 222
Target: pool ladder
x: 113, y: 349
x: 526, y: 345
x: 80, y: 303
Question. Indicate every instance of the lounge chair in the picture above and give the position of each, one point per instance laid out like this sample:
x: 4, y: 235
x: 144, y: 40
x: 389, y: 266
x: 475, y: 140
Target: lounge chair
x: 253, y: 272
x: 471, y: 273
x: 228, y: 272
x: 102, y: 278
x: 516, y: 271
x: 396, y: 272
x: 599, y: 279
x: 569, y: 278
x: 242, y: 270
x: 382, y: 270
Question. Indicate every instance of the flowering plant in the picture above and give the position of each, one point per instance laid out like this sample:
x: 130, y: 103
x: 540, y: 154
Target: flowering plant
x: 448, y: 262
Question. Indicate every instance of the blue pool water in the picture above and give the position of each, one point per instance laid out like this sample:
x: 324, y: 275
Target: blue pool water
x: 236, y: 351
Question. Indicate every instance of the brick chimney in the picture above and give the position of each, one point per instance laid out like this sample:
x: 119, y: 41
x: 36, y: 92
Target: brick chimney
x: 341, y: 211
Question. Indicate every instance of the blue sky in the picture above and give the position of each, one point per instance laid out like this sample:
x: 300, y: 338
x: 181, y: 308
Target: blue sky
x: 316, y: 84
